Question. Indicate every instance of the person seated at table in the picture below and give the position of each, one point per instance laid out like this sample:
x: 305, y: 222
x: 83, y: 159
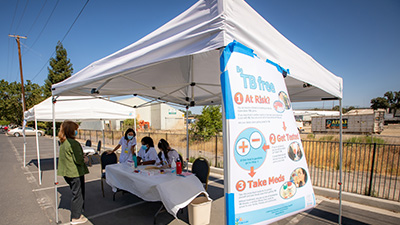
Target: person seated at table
x: 147, y: 154
x: 127, y: 144
x: 167, y: 154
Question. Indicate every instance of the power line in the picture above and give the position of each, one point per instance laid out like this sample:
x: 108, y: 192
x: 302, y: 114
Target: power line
x: 15, y: 12
x: 48, y: 19
x: 37, y: 17
x: 62, y: 39
x: 22, y: 16
x: 75, y: 20
x: 12, y: 23
x: 30, y: 49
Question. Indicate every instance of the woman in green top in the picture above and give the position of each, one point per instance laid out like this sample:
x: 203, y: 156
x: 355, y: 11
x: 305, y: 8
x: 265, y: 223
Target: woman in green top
x: 71, y: 165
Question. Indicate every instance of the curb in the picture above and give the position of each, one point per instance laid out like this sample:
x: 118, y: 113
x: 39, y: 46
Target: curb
x: 346, y: 196
x: 360, y: 199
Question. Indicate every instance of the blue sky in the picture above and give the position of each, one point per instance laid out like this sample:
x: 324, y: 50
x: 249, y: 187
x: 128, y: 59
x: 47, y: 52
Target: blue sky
x: 357, y: 40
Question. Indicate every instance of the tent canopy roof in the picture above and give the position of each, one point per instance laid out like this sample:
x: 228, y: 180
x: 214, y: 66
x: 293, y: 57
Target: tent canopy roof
x: 78, y: 108
x: 179, y: 62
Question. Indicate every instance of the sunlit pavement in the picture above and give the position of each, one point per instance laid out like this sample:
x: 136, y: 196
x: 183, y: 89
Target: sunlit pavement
x: 24, y: 201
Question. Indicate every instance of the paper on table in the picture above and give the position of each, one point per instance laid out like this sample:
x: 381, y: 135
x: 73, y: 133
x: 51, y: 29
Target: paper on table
x: 185, y: 174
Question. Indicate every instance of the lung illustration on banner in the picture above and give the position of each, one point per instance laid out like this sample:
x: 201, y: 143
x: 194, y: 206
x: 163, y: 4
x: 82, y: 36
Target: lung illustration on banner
x: 267, y: 175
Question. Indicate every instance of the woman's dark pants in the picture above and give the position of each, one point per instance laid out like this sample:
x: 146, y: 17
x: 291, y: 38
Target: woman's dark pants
x: 77, y: 185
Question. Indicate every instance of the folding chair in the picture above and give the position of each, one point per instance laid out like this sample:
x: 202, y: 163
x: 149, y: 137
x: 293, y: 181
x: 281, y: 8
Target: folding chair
x: 97, y: 153
x: 106, y: 159
x: 201, y: 169
x: 88, y: 143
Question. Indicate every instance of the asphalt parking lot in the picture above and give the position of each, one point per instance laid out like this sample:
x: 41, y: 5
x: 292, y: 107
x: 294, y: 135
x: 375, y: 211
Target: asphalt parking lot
x: 25, y: 201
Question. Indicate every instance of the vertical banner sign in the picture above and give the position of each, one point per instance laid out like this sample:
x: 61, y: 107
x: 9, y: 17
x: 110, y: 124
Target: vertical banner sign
x: 267, y: 176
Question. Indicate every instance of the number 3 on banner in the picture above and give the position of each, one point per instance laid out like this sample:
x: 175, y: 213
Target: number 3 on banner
x: 240, y: 185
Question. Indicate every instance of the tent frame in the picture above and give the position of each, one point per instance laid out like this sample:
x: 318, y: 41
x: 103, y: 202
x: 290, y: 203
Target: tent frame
x: 196, y: 37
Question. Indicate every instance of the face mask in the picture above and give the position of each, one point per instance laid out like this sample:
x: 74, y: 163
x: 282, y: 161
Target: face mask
x: 130, y: 137
x: 76, y: 133
x: 144, y: 147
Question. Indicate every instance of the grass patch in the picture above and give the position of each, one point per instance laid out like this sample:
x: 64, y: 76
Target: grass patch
x: 365, y: 139
x: 328, y: 138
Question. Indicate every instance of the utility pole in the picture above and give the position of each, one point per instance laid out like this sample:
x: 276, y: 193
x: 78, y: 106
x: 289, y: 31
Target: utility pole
x: 20, y: 69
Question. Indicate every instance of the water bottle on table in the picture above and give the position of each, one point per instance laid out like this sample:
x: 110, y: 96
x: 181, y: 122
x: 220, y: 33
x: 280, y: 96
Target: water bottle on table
x: 173, y: 165
x: 178, y: 166
x: 134, y: 158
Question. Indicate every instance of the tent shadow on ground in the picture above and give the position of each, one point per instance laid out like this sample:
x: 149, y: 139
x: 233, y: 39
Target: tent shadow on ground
x: 99, y: 210
x: 48, y: 164
x: 94, y: 159
x: 215, y: 192
x: 45, y: 164
x: 333, y: 217
x: 327, y: 211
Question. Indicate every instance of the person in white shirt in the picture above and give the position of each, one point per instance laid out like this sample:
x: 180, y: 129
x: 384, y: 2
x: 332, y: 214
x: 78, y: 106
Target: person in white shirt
x: 167, y: 154
x: 127, y: 144
x: 147, y: 154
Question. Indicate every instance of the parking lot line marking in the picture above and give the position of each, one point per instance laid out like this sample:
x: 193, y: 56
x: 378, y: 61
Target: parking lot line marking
x: 111, y: 211
x: 63, y: 185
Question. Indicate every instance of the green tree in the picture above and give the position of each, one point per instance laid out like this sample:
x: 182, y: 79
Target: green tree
x: 129, y: 123
x: 60, y: 69
x: 10, y: 104
x: 344, y: 109
x: 379, y: 103
x: 11, y: 99
x: 390, y: 100
x: 393, y: 98
x: 209, y: 123
x: 33, y: 94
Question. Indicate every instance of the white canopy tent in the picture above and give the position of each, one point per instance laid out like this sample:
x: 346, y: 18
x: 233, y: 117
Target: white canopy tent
x: 80, y: 108
x: 180, y: 61
x: 76, y: 108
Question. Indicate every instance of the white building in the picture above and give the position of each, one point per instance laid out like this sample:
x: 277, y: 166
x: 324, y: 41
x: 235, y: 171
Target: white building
x: 157, y: 116
x: 306, y: 115
x: 160, y: 116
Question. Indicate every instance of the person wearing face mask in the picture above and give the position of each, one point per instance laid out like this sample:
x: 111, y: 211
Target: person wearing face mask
x: 127, y: 144
x: 72, y: 166
x: 147, y: 154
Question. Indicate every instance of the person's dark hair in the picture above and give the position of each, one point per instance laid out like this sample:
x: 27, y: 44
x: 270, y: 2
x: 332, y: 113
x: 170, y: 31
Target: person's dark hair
x: 148, y: 141
x: 128, y: 131
x: 164, y: 146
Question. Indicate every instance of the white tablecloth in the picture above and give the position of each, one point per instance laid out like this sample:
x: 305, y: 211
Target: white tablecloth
x: 88, y: 150
x: 175, y: 192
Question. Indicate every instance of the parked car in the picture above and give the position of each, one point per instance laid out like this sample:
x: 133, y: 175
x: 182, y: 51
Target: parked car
x: 28, y: 131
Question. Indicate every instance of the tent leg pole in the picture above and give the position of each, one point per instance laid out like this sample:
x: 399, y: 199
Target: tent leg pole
x: 187, y: 138
x: 24, y: 150
x: 134, y: 124
x: 226, y: 164
x: 37, y: 152
x: 23, y: 133
x: 104, y: 138
x: 341, y: 162
x: 55, y: 157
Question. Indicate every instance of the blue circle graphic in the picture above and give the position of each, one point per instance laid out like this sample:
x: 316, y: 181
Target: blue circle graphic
x: 250, y: 150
